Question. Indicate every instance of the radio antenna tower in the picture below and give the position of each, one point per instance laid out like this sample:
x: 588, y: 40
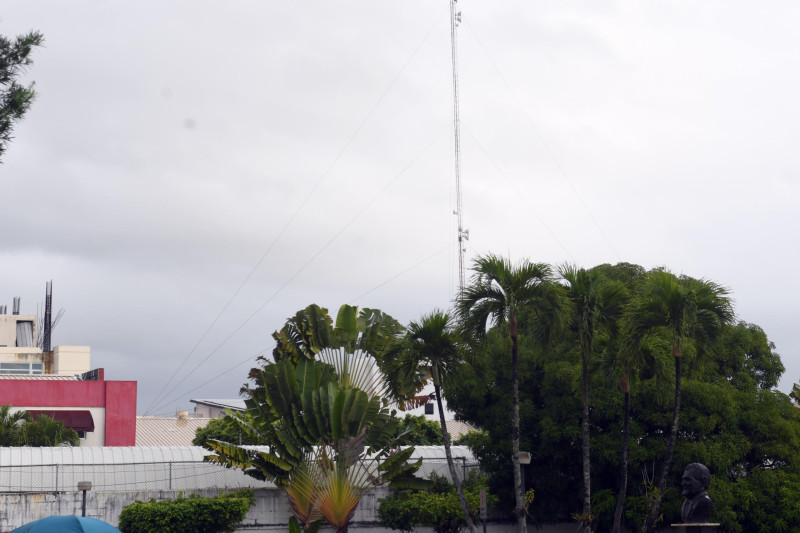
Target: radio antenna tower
x: 463, y: 235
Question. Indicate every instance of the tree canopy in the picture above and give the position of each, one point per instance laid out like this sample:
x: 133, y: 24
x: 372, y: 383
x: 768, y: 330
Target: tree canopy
x: 15, y: 98
x: 732, y: 420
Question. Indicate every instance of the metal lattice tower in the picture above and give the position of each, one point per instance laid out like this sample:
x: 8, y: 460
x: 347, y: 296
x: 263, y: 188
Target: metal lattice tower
x: 463, y: 235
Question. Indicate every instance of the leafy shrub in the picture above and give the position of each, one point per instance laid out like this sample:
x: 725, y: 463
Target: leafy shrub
x: 187, y: 515
x: 437, y: 508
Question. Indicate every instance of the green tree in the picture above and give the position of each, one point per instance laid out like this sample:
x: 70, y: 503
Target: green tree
x: 596, y: 304
x: 431, y: 350
x: 322, y: 415
x: 730, y: 420
x: 15, y: 99
x: 419, y: 431
x: 9, y: 425
x: 627, y: 364
x: 44, y: 431
x: 20, y: 429
x: 500, y: 291
x: 685, y: 311
x: 225, y: 429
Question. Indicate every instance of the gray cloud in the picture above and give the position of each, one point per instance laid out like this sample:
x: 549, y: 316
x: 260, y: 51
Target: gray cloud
x: 171, y: 143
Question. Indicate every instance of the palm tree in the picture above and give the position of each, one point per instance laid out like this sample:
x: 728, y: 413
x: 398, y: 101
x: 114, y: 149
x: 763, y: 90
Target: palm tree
x: 625, y: 365
x: 498, y: 292
x: 10, y: 424
x: 685, y: 311
x: 596, y: 305
x: 45, y: 431
x: 430, y: 353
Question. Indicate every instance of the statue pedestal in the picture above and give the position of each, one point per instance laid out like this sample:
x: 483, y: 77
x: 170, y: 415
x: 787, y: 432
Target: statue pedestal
x: 695, y: 528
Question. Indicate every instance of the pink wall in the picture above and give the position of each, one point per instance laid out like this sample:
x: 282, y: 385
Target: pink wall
x: 118, y: 398
x: 120, y: 413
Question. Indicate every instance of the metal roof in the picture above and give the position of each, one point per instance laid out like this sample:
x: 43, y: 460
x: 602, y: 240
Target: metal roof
x: 458, y: 429
x: 93, y: 455
x: 234, y: 404
x: 42, y: 377
x: 437, y: 452
x: 167, y: 431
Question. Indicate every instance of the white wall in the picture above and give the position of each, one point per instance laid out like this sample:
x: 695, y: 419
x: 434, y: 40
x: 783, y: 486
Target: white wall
x: 270, y: 513
x: 71, y: 360
x: 8, y: 328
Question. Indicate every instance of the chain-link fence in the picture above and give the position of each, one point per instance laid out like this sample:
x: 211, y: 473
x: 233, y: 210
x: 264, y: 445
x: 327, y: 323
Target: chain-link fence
x: 173, y: 475
x: 176, y: 475
x: 439, y: 467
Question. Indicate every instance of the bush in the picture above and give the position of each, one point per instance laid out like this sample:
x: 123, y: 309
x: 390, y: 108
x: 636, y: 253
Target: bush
x: 437, y: 508
x: 187, y: 515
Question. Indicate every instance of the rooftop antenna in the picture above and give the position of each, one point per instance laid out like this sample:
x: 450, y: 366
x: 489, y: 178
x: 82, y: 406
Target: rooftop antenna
x: 463, y: 235
x: 48, y: 318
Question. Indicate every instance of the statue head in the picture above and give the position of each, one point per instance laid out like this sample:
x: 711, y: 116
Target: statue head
x: 696, y: 479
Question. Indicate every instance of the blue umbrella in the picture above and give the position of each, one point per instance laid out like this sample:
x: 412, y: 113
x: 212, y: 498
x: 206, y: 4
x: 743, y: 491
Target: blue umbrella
x: 67, y: 524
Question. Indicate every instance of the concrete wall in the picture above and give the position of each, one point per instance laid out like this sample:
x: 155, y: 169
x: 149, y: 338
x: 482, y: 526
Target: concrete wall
x: 71, y: 360
x: 270, y: 513
x: 8, y: 328
x: 66, y: 360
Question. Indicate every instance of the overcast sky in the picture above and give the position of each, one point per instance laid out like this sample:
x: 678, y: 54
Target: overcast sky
x: 177, y: 147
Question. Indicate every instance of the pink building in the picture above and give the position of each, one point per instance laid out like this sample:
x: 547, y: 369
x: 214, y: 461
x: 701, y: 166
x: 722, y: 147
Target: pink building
x: 102, y: 412
x: 60, y: 384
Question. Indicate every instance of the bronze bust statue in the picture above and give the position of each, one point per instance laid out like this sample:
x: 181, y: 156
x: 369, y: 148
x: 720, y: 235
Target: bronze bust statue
x: 697, y: 507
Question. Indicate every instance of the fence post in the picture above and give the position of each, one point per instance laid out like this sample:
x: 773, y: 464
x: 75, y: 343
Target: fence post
x: 56, y: 478
x: 170, y: 475
x: 464, y: 469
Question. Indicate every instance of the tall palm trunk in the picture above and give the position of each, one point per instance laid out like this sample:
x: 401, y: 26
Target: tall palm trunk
x: 450, y: 464
x: 522, y: 525
x: 586, y: 519
x: 623, y: 466
x: 652, y: 513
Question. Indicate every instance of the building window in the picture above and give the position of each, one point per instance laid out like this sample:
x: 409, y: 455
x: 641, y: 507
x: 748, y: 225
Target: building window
x: 21, y: 368
x: 25, y: 334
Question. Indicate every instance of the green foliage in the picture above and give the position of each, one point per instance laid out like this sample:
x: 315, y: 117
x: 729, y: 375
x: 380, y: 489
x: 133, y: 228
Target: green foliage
x: 225, y: 429
x: 730, y: 420
x: 9, y: 425
x: 437, y: 508
x: 15, y: 99
x: 310, y: 330
x: 45, y: 431
x: 419, y: 431
x: 187, y: 515
x: 19, y: 429
x: 321, y: 409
